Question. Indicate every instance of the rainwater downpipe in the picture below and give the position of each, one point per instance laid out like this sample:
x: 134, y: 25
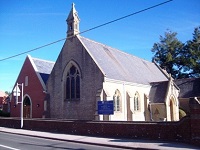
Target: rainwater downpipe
x: 125, y: 102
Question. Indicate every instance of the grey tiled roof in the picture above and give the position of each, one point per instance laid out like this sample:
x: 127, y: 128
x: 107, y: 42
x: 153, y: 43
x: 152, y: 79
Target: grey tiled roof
x: 43, y: 66
x: 158, y: 92
x: 188, y: 87
x: 119, y: 65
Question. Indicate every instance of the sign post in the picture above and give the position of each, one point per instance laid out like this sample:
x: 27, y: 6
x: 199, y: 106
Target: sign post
x: 16, y: 93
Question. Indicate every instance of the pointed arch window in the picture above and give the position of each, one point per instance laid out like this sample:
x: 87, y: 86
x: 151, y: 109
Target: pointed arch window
x: 117, y: 101
x: 136, y: 102
x: 73, y: 84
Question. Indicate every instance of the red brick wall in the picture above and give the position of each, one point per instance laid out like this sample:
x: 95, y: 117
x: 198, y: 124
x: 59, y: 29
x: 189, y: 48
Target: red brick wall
x: 195, y: 120
x: 185, y: 130
x: 1, y: 100
x: 170, y: 131
x: 34, y: 90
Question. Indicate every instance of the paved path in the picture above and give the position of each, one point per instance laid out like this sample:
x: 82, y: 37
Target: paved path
x: 121, y: 143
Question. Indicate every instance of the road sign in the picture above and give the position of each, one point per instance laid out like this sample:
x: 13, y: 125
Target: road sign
x: 105, y: 107
x: 16, y: 91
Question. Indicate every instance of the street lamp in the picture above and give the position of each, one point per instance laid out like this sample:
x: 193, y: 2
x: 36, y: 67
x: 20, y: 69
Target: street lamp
x: 16, y: 93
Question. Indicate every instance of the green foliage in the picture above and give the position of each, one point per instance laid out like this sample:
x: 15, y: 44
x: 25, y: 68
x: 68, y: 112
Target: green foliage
x: 181, y: 60
x: 7, y: 92
x: 193, y: 49
x: 4, y: 114
x: 181, y: 113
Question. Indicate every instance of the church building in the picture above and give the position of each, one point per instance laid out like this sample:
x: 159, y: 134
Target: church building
x: 87, y: 71
x: 32, y: 77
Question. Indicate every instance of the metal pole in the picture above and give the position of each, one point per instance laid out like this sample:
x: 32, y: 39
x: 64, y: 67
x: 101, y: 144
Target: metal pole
x: 16, y: 94
x: 22, y: 107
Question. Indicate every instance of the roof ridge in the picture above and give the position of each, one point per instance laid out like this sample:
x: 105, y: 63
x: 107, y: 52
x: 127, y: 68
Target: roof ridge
x: 116, y: 49
x: 43, y: 60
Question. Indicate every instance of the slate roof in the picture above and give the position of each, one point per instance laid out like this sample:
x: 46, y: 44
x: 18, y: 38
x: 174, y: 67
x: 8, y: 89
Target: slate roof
x: 188, y: 87
x: 119, y: 65
x: 158, y: 92
x: 2, y: 94
x: 43, y: 67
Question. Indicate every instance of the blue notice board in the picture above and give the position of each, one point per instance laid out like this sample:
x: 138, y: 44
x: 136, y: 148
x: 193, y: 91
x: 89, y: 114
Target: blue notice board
x: 105, y: 107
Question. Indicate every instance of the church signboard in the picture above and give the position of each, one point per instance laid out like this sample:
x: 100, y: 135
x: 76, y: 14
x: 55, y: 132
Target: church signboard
x: 105, y: 107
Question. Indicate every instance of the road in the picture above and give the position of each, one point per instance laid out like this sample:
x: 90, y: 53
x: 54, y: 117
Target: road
x: 19, y: 142
x: 21, y: 139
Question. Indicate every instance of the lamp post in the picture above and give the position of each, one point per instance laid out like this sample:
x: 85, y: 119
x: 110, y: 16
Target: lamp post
x: 16, y: 93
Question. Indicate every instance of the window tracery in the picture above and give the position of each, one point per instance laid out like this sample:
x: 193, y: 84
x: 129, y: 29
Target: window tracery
x: 73, y: 84
x: 117, y: 101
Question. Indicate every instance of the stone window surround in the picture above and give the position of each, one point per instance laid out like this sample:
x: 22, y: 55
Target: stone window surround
x: 64, y: 80
x: 117, y: 98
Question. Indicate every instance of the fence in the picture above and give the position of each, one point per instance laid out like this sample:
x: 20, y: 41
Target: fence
x: 186, y: 130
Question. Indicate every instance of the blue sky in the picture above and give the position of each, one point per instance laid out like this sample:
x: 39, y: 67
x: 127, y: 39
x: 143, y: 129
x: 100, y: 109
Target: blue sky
x: 25, y: 25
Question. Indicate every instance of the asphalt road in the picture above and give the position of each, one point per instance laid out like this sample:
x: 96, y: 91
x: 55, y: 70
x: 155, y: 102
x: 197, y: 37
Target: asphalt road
x: 21, y: 139
x: 19, y: 142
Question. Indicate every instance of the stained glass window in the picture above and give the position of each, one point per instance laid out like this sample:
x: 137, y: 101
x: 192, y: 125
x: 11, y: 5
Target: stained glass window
x: 73, y: 84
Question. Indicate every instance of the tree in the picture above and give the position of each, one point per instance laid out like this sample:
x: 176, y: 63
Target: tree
x: 167, y: 51
x: 180, y: 60
x: 192, y: 50
x: 7, y: 92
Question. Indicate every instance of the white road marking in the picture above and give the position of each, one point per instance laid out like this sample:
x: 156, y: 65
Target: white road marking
x: 8, y: 147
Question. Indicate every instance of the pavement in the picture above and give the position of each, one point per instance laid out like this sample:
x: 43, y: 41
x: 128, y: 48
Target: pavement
x: 110, y: 142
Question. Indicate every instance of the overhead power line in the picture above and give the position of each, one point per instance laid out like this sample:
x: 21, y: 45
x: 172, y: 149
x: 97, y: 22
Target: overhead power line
x: 33, y: 49
x: 127, y: 16
x: 87, y: 30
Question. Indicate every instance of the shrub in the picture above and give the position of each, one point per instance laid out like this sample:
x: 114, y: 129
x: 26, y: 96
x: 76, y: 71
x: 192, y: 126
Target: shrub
x: 4, y: 114
x: 181, y: 113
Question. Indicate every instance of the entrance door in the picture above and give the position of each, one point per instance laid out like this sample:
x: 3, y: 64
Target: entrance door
x: 27, y: 107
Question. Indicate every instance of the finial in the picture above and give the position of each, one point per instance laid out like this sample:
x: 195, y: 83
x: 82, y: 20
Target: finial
x: 73, y: 22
